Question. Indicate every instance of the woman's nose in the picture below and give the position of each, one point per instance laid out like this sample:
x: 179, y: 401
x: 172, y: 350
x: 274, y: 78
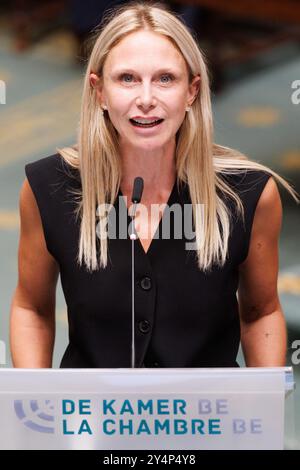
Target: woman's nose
x: 146, y: 96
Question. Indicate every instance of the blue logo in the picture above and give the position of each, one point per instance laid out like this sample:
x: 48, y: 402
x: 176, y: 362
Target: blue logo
x: 36, y: 416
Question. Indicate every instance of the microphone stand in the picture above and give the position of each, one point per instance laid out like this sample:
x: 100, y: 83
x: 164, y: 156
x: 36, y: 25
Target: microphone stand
x: 133, y: 237
x: 138, y: 186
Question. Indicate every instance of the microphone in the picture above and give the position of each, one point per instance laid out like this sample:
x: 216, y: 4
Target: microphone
x: 138, y: 186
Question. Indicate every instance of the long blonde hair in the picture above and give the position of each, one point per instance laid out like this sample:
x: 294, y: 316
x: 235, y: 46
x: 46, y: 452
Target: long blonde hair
x: 199, y: 161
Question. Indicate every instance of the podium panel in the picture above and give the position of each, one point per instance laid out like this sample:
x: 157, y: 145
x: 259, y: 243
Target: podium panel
x: 116, y: 409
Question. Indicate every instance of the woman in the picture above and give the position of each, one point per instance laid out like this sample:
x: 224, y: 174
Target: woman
x: 145, y: 66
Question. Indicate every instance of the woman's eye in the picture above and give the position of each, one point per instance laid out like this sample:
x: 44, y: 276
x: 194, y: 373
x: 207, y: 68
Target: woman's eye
x: 126, y: 75
x: 168, y: 76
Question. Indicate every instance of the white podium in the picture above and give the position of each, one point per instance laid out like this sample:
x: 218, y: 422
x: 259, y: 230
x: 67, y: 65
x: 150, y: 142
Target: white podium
x: 117, y: 409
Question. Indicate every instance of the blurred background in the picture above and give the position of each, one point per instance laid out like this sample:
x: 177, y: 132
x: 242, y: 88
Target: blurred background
x: 253, y: 54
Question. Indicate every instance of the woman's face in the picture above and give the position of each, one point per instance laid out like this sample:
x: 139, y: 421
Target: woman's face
x: 144, y: 76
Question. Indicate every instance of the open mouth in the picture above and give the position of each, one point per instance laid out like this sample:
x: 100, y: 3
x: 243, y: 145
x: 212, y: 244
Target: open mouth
x: 152, y: 124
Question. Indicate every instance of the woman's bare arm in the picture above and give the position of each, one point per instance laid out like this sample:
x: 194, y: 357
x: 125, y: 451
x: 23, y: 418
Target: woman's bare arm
x: 32, y: 315
x: 263, y: 328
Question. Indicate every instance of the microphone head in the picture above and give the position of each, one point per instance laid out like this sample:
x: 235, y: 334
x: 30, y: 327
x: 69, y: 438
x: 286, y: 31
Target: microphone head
x: 138, y: 186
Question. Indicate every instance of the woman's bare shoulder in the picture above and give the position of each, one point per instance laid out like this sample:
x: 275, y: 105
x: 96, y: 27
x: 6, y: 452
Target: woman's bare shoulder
x: 268, y: 213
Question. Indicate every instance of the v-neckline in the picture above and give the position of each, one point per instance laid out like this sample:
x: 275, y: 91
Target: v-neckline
x: 168, y: 203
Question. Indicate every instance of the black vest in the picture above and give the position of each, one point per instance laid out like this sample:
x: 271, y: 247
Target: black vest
x: 183, y: 316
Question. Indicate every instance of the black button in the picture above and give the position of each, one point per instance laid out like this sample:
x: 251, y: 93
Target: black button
x: 144, y: 326
x: 146, y: 283
x: 155, y: 364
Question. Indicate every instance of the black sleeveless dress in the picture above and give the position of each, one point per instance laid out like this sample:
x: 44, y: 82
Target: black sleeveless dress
x: 183, y: 316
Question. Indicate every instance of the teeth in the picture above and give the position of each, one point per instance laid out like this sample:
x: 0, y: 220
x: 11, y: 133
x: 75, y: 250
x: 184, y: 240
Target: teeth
x: 144, y: 121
